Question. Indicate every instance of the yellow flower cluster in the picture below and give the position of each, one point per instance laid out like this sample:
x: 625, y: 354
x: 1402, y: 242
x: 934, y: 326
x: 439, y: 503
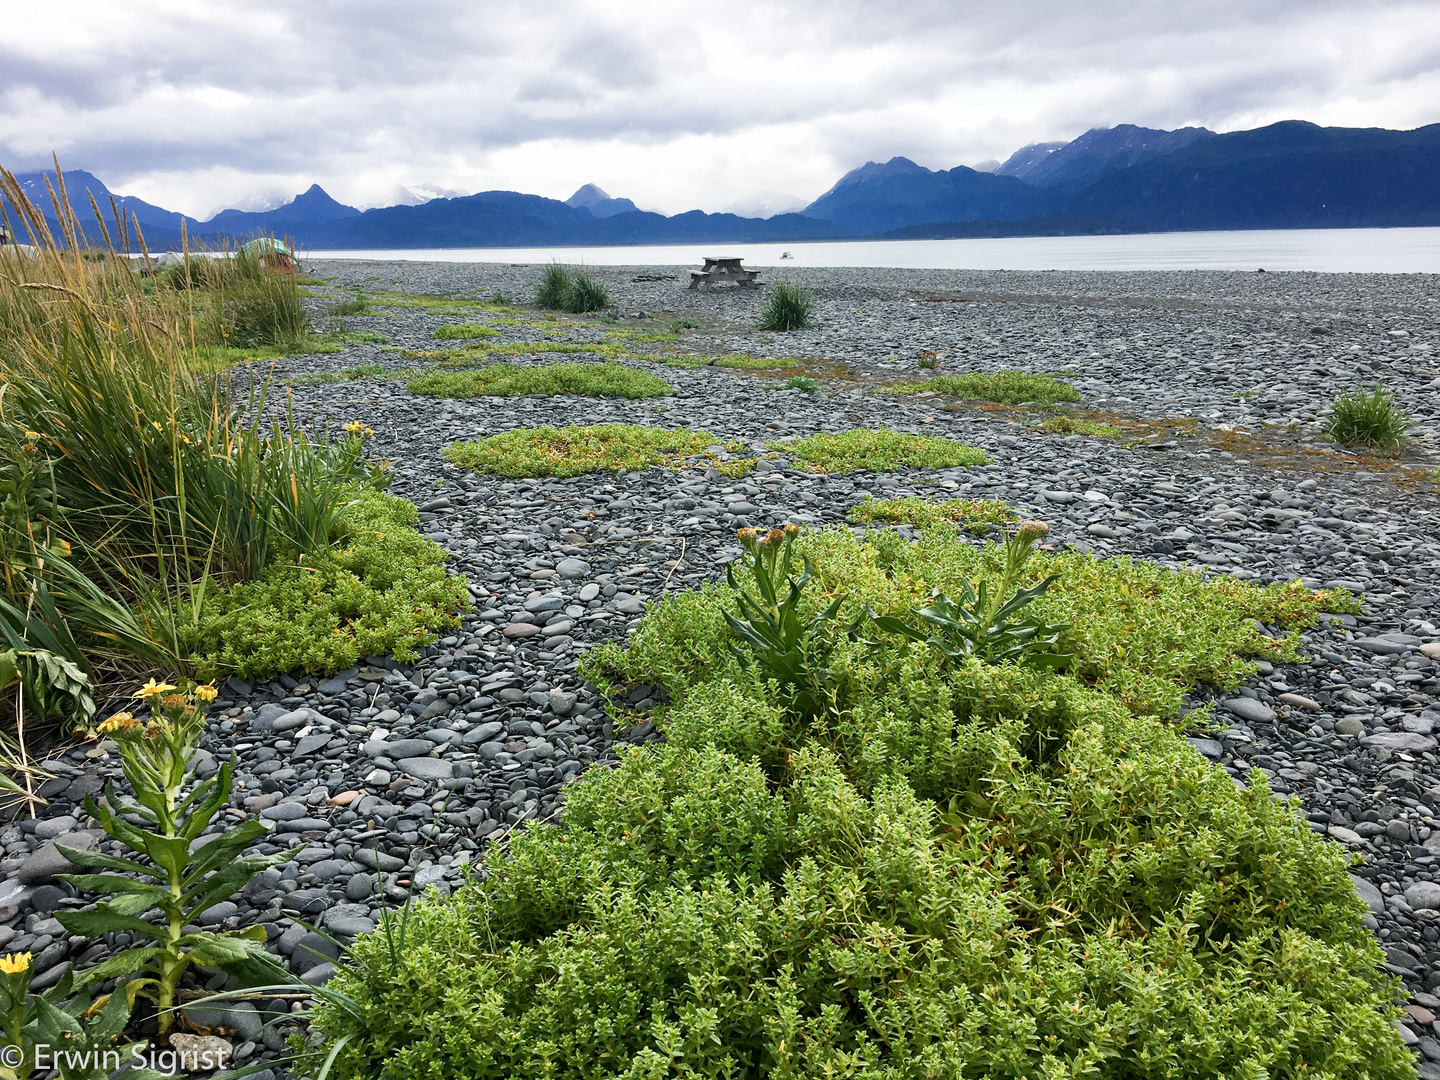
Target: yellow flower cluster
x: 154, y: 689
x: 122, y: 723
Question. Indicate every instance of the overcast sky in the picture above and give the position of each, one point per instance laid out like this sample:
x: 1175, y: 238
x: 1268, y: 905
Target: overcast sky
x: 198, y: 105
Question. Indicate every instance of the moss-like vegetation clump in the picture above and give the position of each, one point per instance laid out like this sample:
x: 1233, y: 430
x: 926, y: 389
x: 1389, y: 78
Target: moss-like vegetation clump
x: 464, y: 331
x: 1078, y: 425
x: 976, y: 514
x: 381, y: 588
x: 1012, y: 387
x: 879, y: 451
x: 606, y: 379
x: 948, y: 869
x: 573, y: 451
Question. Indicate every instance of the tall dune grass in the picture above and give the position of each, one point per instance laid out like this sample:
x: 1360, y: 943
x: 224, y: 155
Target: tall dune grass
x: 131, y: 480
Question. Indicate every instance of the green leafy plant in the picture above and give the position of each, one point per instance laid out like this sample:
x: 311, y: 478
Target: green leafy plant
x: 61, y: 1029
x: 800, y: 382
x: 1079, y: 425
x: 983, y: 623
x: 1374, y: 420
x: 880, y: 450
x: 675, y: 326
x: 175, y: 874
x: 772, y: 631
x: 788, y: 307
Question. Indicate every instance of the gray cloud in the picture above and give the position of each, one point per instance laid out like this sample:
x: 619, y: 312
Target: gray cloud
x: 672, y: 104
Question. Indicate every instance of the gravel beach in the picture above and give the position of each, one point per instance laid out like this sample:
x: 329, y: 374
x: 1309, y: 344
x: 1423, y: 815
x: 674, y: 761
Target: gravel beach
x: 398, y: 776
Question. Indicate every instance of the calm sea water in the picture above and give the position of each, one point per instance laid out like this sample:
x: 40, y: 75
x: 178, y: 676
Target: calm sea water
x: 1367, y: 251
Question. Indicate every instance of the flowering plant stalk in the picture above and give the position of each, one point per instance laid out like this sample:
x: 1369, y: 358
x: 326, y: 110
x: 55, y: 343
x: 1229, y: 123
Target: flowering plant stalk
x: 983, y: 623
x: 787, y: 648
x: 61, y: 1029
x: 175, y: 875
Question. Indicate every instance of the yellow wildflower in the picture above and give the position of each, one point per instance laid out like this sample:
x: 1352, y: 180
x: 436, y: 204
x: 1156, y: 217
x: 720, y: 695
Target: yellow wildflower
x: 369, y: 433
x: 120, y: 724
x: 354, y: 426
x: 152, y: 689
x: 174, y: 701
x: 33, y: 436
x: 206, y: 693
x: 792, y: 529
x: 14, y: 963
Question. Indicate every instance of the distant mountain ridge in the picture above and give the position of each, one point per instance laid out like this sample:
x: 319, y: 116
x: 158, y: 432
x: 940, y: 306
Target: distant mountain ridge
x: 1122, y: 179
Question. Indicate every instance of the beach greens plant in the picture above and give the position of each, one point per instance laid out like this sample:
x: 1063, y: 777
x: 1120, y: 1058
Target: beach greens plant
x: 1374, y: 420
x: 605, y: 379
x: 977, y: 515
x: 880, y: 450
x: 963, y: 870
x: 573, y: 451
x: 985, y: 622
x: 180, y: 870
x: 464, y: 331
x: 800, y: 382
x: 62, y: 1029
x: 788, y: 306
x: 1012, y: 387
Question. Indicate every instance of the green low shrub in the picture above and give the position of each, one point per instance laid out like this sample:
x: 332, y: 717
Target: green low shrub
x: 1374, y: 420
x: 898, y: 887
x: 573, y: 451
x: 1012, y: 387
x: 607, y: 379
x: 382, y: 588
x: 880, y: 450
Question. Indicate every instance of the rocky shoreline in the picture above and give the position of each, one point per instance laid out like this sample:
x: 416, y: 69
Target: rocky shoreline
x: 396, y: 777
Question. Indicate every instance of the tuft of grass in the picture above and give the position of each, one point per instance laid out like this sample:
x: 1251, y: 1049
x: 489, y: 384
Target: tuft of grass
x: 880, y: 451
x: 675, y: 326
x: 1012, y: 387
x: 564, y: 288
x: 1374, y: 420
x: 788, y: 307
x: 464, y: 331
x: 606, y: 379
x: 573, y: 451
x: 359, y: 304
x: 1078, y: 425
x: 977, y: 515
x: 800, y: 382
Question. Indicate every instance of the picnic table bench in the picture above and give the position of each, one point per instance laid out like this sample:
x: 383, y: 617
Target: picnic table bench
x: 722, y: 270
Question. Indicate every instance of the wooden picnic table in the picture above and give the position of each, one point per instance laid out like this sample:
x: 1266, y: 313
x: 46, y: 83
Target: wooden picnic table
x: 722, y: 269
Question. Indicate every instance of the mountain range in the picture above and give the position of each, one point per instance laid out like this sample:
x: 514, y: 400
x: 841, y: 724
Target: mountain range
x: 1122, y: 179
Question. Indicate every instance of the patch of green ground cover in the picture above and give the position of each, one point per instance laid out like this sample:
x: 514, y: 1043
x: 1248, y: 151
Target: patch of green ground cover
x: 975, y: 514
x: 879, y: 450
x: 1078, y: 425
x: 214, y: 357
x: 736, y: 361
x: 380, y: 588
x: 359, y: 371
x: 574, y: 451
x: 481, y: 349
x: 441, y: 304
x: 647, y: 336
x: 605, y: 379
x: 1012, y: 387
x: 956, y: 870
x: 464, y: 331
